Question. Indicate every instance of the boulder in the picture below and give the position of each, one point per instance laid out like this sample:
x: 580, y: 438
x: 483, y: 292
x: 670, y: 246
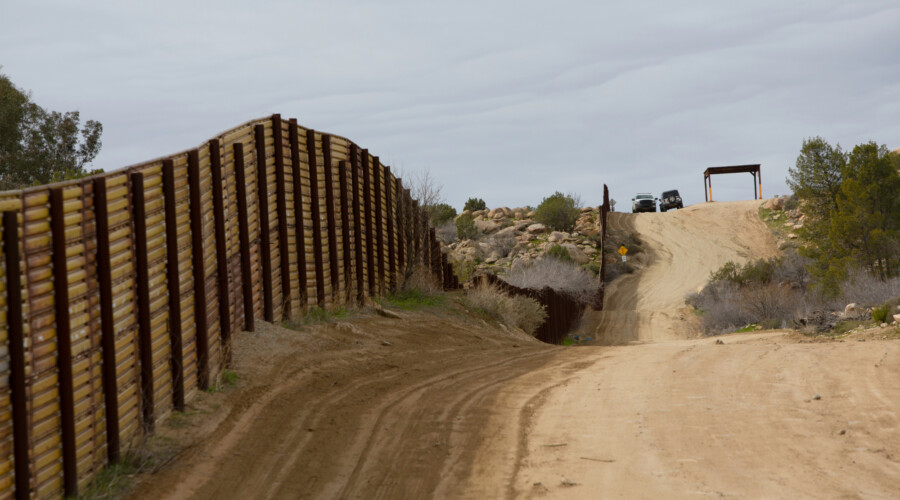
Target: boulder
x: 486, y: 226
x: 558, y: 237
x: 537, y: 229
x: 851, y: 310
x: 522, y: 226
x: 577, y: 255
x: 897, y: 318
x: 511, y: 230
x: 585, y: 210
x: 498, y: 216
x: 776, y: 203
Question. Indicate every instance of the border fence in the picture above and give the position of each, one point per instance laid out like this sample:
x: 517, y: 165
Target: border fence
x: 119, y: 292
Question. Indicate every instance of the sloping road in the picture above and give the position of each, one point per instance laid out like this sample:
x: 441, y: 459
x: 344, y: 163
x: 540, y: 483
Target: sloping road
x: 447, y: 407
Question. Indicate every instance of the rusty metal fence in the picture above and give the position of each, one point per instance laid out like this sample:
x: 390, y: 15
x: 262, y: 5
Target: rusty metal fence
x: 119, y: 292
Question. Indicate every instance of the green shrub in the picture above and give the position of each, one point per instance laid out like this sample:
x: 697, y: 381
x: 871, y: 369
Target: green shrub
x: 880, y: 313
x: 559, y: 252
x: 558, y: 211
x: 440, y: 213
x: 474, y: 204
x: 465, y: 227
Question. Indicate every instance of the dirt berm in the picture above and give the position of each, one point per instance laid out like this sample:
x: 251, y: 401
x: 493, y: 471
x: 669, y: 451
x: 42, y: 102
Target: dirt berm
x: 442, y: 404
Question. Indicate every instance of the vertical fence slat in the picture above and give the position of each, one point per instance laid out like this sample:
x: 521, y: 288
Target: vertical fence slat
x: 316, y: 220
x: 107, y: 326
x: 377, y: 172
x: 330, y: 217
x: 345, y: 229
x: 401, y: 226
x: 262, y: 186
x: 215, y: 156
x: 15, y: 329
x: 392, y: 254
x: 299, y: 229
x: 370, y: 237
x: 281, y: 201
x: 63, y: 342
x: 357, y: 225
x: 240, y: 175
x: 143, y: 297
x: 199, y: 270
x: 173, y: 285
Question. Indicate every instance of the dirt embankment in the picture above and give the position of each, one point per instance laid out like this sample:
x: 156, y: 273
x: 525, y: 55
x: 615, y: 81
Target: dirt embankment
x: 456, y: 408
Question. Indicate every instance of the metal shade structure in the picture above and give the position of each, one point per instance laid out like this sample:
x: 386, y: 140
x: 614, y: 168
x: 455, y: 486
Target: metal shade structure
x: 734, y: 169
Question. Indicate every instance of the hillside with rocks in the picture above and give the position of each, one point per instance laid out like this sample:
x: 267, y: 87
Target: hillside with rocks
x: 505, y: 237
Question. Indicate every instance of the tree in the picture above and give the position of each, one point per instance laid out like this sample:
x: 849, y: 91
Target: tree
x: 864, y: 229
x: 474, y: 205
x: 39, y: 146
x: 558, y: 211
x: 817, y: 176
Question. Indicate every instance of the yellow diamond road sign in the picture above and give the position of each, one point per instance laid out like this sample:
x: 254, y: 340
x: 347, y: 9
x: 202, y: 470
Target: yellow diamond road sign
x: 623, y: 250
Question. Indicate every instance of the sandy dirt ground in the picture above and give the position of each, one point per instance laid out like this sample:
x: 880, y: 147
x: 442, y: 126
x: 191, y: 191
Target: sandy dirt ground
x: 441, y: 404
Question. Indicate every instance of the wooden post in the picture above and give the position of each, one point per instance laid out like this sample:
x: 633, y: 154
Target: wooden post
x: 281, y: 201
x: 221, y: 251
x: 15, y: 328
x: 199, y: 270
x: 299, y: 224
x: 316, y: 220
x: 345, y: 228
x: 139, y: 217
x: 416, y: 234
x: 173, y: 285
x: 392, y: 253
x: 370, y: 235
x: 240, y: 175
x: 331, y: 219
x: 63, y: 342
x: 357, y: 225
x: 108, y: 333
x: 378, y: 171
x: 262, y: 189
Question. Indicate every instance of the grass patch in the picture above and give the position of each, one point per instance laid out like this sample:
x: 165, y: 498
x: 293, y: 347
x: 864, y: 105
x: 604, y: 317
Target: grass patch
x: 117, y: 480
x: 749, y: 328
x: 315, y: 315
x: 568, y: 341
x: 229, y: 379
x: 846, y: 325
x: 412, y: 299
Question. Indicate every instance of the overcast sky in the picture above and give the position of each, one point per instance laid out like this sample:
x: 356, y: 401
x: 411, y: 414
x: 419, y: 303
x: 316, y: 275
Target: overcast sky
x: 507, y: 101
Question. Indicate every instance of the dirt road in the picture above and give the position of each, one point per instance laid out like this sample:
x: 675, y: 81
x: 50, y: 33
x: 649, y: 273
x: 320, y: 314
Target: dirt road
x: 441, y: 404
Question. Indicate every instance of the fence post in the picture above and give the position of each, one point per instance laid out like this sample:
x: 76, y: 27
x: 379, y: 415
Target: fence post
x: 15, y: 322
x: 416, y: 234
x: 357, y: 225
x: 378, y: 171
x: 299, y: 224
x: 345, y: 228
x: 240, y: 175
x: 262, y: 198
x: 331, y: 218
x: 370, y: 237
x: 281, y: 205
x: 173, y: 283
x: 199, y: 270
x: 143, y: 297
x: 402, y: 238
x: 392, y: 254
x: 108, y: 333
x: 63, y: 342
x: 316, y: 220
x: 215, y: 157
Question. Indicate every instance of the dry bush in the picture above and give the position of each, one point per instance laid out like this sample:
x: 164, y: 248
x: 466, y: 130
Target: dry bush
x: 419, y: 278
x: 864, y: 289
x: 502, y: 244
x: 565, y: 277
x: 446, y: 232
x: 726, y: 307
x: 519, y: 311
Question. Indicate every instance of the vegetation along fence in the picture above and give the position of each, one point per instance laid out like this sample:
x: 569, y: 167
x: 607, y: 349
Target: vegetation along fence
x: 120, y: 291
x: 563, y: 310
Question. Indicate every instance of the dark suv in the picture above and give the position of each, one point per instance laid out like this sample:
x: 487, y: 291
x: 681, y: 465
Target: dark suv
x: 670, y: 199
